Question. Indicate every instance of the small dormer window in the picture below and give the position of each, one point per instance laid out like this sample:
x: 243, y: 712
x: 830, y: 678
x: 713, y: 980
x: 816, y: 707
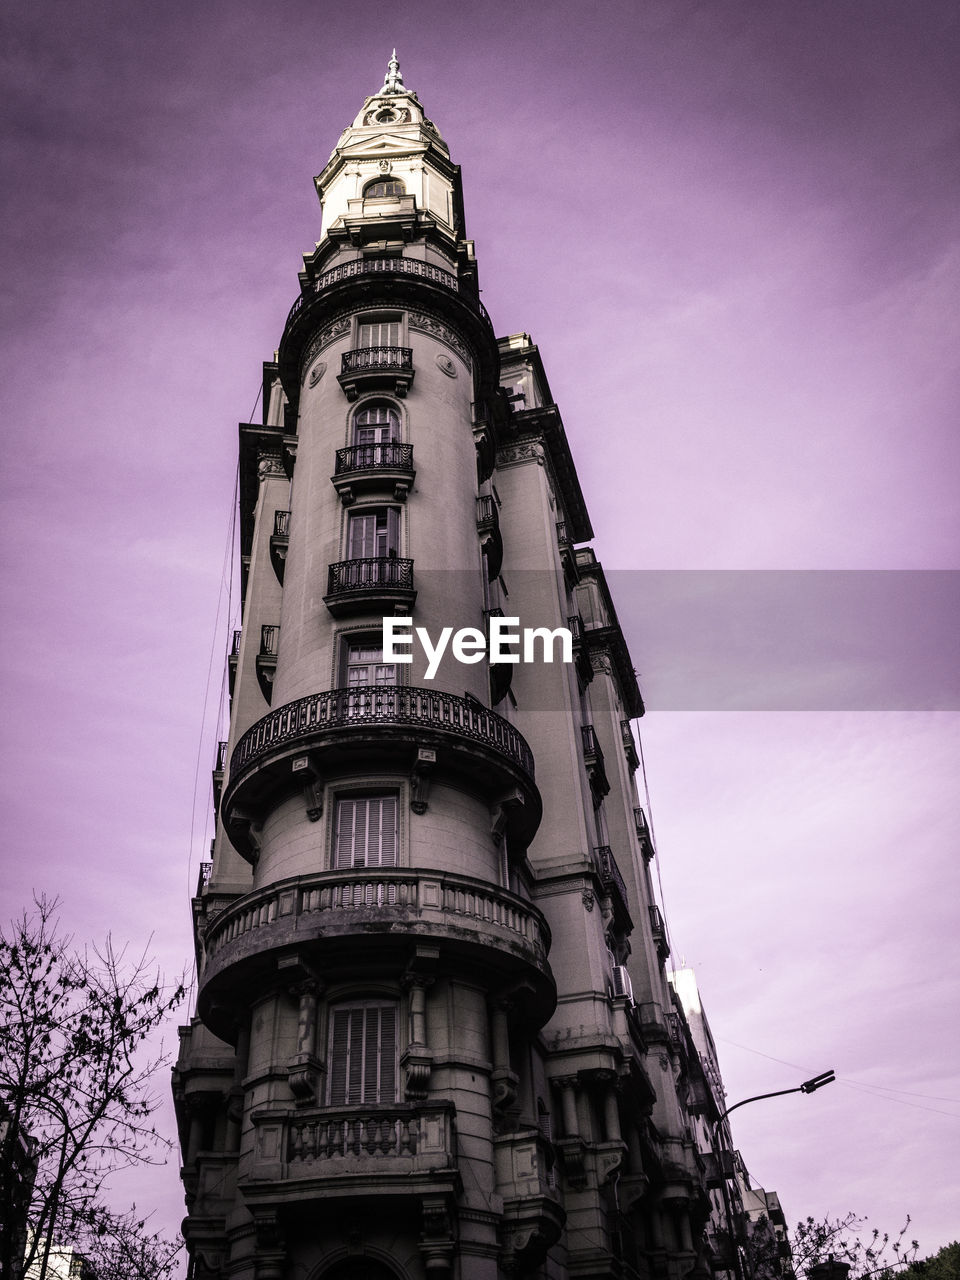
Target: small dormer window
x: 382, y: 188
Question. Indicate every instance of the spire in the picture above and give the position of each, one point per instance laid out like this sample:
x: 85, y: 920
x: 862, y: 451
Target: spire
x: 393, y: 80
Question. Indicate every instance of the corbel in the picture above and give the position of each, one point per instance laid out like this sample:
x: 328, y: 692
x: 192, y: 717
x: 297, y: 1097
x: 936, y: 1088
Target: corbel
x: 501, y: 812
x: 308, y: 772
x: 420, y: 779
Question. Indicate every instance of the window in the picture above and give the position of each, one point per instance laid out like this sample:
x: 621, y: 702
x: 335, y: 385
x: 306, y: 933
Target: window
x: 363, y: 1053
x: 382, y: 331
x: 373, y: 534
x: 380, y: 188
x: 366, y: 831
x: 363, y: 664
x: 376, y: 424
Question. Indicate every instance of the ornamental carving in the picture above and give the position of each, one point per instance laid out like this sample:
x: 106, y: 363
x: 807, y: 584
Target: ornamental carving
x: 446, y: 365
x: 319, y: 369
x: 512, y: 454
x: 270, y: 464
x: 437, y: 329
x: 601, y: 660
x: 335, y: 329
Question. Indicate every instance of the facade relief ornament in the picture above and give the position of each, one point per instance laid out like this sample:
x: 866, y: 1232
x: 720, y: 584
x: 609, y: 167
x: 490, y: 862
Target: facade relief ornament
x: 335, y: 329
x: 437, y: 329
x: 316, y: 373
x: 601, y: 660
x: 270, y: 464
x: 528, y: 451
x: 446, y: 365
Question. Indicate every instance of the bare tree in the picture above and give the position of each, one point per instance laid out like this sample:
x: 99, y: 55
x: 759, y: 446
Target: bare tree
x: 867, y: 1250
x: 76, y: 1071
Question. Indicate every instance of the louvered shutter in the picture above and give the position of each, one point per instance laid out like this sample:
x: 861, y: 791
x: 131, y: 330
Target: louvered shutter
x: 363, y: 1052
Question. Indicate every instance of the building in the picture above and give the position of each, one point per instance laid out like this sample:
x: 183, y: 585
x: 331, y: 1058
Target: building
x: 434, y: 1034
x: 746, y: 1231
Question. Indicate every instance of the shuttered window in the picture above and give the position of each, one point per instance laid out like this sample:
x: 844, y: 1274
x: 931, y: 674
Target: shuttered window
x: 366, y: 834
x: 363, y: 1054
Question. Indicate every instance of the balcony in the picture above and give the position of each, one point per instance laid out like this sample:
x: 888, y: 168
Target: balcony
x: 629, y: 746
x: 218, y: 775
x: 364, y: 467
x: 501, y: 673
x: 593, y: 759
x: 378, y: 727
x: 279, y: 542
x: 399, y: 1149
x: 488, y: 528
x: 581, y: 654
x: 613, y: 886
x: 568, y: 557
x: 376, y: 369
x: 659, y: 931
x: 374, y: 583
x: 233, y: 659
x: 267, y: 659
x: 373, y: 267
x: 643, y: 833
x: 343, y: 918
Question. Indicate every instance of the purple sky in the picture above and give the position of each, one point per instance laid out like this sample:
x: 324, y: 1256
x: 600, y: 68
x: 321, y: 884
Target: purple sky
x: 732, y: 228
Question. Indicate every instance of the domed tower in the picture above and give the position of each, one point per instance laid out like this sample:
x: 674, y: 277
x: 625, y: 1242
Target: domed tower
x: 384, y: 1078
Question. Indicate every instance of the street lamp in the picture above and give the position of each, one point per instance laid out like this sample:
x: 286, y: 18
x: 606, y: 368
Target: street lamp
x: 808, y: 1086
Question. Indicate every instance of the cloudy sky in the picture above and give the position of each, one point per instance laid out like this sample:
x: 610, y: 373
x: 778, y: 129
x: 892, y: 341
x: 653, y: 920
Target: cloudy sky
x: 732, y: 228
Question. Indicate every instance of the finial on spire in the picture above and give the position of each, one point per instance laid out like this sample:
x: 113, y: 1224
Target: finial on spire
x: 393, y: 80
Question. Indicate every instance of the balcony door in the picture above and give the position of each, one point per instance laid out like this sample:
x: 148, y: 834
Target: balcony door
x: 363, y: 1054
x: 374, y: 534
x: 364, y: 671
x: 376, y: 424
x: 379, y: 333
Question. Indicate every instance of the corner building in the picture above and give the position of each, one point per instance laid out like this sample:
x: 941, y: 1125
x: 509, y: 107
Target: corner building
x: 433, y: 1034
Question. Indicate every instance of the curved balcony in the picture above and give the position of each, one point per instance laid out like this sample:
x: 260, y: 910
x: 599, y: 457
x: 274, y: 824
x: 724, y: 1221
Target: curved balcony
x: 394, y: 1149
x: 364, y: 467
x: 371, y: 583
x: 348, y: 918
x: 373, y: 728
x: 393, y: 282
x: 379, y: 267
x: 376, y: 369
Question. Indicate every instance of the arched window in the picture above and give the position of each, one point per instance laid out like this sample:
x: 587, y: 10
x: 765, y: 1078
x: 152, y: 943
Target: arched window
x: 376, y: 424
x: 382, y: 187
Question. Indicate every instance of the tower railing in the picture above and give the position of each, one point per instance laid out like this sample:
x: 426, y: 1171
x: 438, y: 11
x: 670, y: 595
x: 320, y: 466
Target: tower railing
x: 385, y: 705
x: 382, y: 266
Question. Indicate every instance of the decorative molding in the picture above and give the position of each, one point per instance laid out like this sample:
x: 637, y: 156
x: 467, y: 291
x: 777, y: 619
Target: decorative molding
x: 437, y: 329
x: 319, y: 369
x: 602, y: 660
x: 337, y: 327
x: 446, y: 365
x: 529, y: 451
x: 270, y: 464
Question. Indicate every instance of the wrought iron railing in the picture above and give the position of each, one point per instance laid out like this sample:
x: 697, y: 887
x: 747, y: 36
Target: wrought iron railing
x: 269, y: 637
x: 562, y: 537
x: 221, y: 757
x: 373, y: 573
x: 362, y: 359
x: 591, y: 747
x: 610, y: 876
x: 390, y: 455
x: 575, y: 627
x: 381, y: 704
x: 281, y: 524
x: 488, y: 517
x: 382, y: 266
x: 235, y: 646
